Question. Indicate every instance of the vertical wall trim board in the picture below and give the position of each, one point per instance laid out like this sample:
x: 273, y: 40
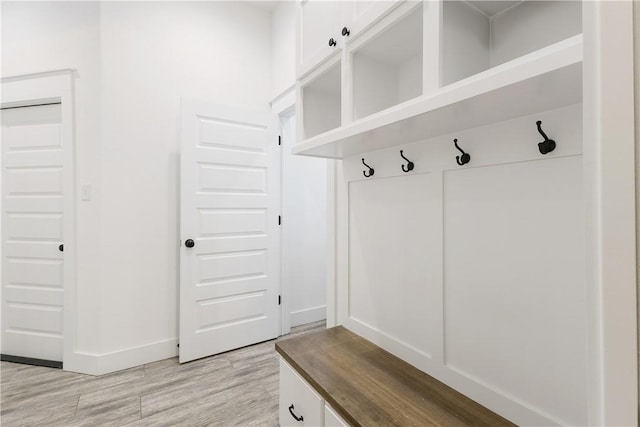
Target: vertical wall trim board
x: 332, y: 280
x: 439, y: 178
x: 636, y: 44
x: 342, y: 242
x: 610, y: 212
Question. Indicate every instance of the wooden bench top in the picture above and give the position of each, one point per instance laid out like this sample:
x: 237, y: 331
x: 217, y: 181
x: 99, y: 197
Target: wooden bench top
x: 369, y: 386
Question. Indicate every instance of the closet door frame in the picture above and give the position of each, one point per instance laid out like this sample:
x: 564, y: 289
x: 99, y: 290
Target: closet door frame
x: 41, y: 88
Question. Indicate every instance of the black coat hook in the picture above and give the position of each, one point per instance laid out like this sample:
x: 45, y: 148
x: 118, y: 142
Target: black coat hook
x: 371, y: 171
x: 465, y: 158
x: 409, y: 166
x: 548, y: 145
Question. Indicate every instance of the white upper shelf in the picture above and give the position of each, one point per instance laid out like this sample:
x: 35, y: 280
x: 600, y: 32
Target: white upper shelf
x: 542, y: 80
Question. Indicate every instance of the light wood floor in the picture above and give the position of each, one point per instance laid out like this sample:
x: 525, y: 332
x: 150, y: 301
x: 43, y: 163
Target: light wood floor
x: 235, y: 388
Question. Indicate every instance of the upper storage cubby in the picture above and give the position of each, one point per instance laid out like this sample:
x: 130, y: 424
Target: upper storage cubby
x: 415, y: 70
x: 321, y: 101
x: 320, y: 32
x: 326, y: 26
x: 478, y: 35
x: 387, y: 68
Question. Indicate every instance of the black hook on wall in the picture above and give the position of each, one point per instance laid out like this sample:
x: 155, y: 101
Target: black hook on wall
x: 409, y: 166
x: 371, y: 171
x: 465, y: 158
x: 548, y: 145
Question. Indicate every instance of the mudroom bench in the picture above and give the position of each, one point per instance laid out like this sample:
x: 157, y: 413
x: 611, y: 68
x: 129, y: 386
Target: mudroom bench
x: 337, y: 378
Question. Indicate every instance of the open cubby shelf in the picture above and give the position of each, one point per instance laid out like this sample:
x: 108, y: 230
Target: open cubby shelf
x: 388, y: 69
x: 322, y: 104
x: 479, y: 35
x: 543, y: 80
x: 494, y: 61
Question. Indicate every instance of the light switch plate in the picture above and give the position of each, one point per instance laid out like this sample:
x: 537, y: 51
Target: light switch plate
x: 85, y: 192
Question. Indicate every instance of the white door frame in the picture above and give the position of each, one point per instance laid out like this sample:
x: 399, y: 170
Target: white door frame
x: 286, y: 286
x: 42, y: 88
x: 283, y: 105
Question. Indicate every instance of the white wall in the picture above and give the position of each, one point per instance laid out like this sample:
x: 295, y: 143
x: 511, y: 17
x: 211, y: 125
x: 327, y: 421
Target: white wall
x: 152, y: 54
x: 304, y: 190
x: 283, y: 45
x: 46, y: 36
x: 135, y: 61
x: 304, y: 231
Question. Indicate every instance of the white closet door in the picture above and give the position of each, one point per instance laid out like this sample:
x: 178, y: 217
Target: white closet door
x: 230, y: 252
x: 32, y: 233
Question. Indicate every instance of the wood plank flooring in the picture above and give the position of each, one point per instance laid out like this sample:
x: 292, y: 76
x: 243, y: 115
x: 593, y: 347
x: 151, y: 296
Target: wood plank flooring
x: 239, y: 387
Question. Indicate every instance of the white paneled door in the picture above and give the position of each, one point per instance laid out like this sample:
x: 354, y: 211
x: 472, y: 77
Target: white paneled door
x: 32, y: 233
x: 229, y: 228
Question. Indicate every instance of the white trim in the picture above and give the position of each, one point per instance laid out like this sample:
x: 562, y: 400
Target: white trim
x: 332, y: 318
x: 341, y: 244
x: 284, y: 101
x: 40, y: 74
x: 609, y: 171
x: 285, y: 286
x: 308, y: 315
x: 32, y: 89
x: 100, y: 364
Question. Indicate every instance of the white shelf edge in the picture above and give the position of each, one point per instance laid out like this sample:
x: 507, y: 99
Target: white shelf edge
x: 528, y: 76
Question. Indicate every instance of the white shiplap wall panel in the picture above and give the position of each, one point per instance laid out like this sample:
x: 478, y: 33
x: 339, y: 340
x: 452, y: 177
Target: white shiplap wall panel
x: 475, y: 273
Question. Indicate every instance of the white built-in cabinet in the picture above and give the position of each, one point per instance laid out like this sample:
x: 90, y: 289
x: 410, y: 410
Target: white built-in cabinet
x: 479, y: 274
x: 300, y: 404
x: 325, y: 27
x: 418, y: 69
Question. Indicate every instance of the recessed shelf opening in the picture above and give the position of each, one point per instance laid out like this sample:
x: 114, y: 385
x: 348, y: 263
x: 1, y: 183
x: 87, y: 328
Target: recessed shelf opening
x: 478, y: 35
x: 321, y: 100
x: 387, y: 70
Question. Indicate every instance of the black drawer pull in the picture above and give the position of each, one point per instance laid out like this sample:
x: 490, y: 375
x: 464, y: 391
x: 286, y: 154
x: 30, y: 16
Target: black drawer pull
x: 300, y: 418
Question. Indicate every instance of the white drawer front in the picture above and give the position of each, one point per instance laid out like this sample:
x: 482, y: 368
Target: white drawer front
x: 331, y: 419
x: 307, y: 404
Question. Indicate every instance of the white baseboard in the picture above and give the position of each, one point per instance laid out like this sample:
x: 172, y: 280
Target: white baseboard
x: 100, y: 364
x: 308, y: 315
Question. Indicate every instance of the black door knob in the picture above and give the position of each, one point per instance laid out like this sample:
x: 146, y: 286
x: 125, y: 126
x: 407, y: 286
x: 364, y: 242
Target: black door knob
x: 189, y: 243
x: 61, y: 248
x: 332, y: 42
x: 345, y: 31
